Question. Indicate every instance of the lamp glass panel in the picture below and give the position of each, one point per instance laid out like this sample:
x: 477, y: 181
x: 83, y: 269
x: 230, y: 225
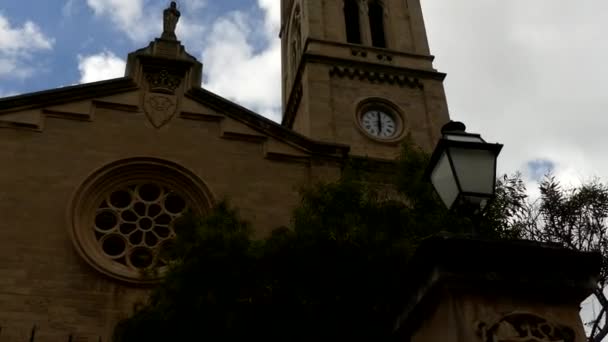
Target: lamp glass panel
x: 444, y: 182
x: 461, y: 137
x: 475, y: 169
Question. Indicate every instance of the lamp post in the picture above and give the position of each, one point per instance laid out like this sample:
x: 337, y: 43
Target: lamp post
x: 463, y: 169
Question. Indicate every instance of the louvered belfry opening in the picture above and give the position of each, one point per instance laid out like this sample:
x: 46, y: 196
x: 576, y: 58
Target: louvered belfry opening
x: 351, y: 16
x: 376, y: 22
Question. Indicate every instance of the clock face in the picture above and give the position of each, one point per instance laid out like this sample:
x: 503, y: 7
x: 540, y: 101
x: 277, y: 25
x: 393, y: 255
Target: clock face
x: 379, y: 124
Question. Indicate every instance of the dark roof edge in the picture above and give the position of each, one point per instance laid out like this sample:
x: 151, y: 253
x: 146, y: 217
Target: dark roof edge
x: 266, y: 125
x: 67, y: 94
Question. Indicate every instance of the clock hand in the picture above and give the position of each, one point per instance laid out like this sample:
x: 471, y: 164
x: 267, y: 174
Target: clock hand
x: 379, y: 123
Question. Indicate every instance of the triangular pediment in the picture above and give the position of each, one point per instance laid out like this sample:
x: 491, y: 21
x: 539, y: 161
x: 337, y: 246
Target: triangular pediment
x: 83, y: 102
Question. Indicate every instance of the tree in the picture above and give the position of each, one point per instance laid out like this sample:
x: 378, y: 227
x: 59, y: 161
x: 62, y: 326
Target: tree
x: 571, y: 217
x: 574, y: 218
x: 340, y: 269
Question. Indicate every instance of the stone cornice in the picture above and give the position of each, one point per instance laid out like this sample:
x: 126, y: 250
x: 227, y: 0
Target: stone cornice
x: 375, y: 67
x: 315, y: 148
x: 360, y: 69
x: 67, y: 94
x: 377, y: 77
x: 43, y: 102
x: 372, y: 49
x: 357, y: 70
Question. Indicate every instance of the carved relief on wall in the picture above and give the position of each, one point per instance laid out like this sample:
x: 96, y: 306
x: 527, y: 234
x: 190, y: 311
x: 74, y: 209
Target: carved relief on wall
x: 524, y: 327
x: 160, y: 103
x: 160, y: 108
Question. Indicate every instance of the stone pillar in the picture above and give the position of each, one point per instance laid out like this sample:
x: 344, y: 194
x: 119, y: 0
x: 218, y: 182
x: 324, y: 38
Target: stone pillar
x: 489, y: 291
x: 364, y: 26
x: 388, y: 28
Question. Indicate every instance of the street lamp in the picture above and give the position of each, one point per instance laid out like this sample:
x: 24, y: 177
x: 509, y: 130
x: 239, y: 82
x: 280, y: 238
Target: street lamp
x: 463, y: 168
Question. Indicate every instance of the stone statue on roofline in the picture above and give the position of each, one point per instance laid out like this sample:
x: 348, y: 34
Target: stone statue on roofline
x: 170, y: 18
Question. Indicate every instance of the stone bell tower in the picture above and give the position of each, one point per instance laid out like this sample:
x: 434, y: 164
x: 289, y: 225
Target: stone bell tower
x: 359, y: 72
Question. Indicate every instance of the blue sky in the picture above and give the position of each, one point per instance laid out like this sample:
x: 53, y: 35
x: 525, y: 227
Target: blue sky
x: 532, y: 80
x: 56, y: 43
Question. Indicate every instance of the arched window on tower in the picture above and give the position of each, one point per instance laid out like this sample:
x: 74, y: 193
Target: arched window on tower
x: 376, y: 23
x: 351, y: 18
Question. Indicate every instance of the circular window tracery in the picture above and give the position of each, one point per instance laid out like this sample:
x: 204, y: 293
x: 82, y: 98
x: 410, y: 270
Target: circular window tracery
x: 121, y: 217
x: 136, y: 220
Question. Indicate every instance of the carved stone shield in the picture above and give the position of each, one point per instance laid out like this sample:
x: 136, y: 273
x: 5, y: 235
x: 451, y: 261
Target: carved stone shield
x: 160, y: 108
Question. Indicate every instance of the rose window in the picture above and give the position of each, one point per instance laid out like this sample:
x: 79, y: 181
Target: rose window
x: 121, y: 218
x: 133, y: 223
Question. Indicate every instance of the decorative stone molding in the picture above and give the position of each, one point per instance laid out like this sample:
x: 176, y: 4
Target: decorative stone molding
x: 34, y: 119
x: 358, y: 53
x: 160, y: 102
x: 160, y: 108
x: 320, y: 150
x: 163, y: 82
x: 376, y: 77
x: 120, y: 218
x: 382, y: 57
x: 524, y: 327
x: 64, y: 95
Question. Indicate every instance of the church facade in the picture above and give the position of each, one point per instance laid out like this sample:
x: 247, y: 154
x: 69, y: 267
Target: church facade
x: 93, y: 175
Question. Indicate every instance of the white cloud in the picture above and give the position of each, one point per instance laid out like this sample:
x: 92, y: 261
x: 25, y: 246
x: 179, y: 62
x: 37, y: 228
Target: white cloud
x: 22, y: 39
x: 68, y: 8
x: 128, y: 16
x: 17, y: 46
x: 272, y: 12
x: 12, y: 67
x: 531, y: 79
x: 142, y: 21
x: 193, y: 5
x: 531, y: 75
x: 190, y: 32
x: 100, y: 67
x: 235, y: 70
x: 235, y: 67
